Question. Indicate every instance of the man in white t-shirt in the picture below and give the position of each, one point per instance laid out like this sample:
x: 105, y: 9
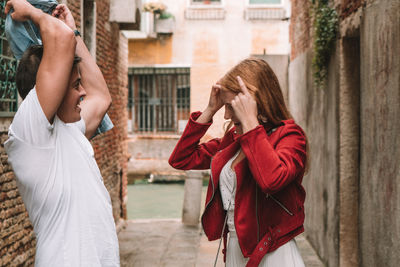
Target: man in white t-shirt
x: 48, y: 146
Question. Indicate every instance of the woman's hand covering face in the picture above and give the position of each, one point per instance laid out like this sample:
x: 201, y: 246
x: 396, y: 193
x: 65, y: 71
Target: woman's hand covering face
x: 215, y: 101
x: 245, y: 108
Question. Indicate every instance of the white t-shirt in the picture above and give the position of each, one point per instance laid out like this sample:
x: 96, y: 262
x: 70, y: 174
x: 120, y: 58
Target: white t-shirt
x: 62, y: 188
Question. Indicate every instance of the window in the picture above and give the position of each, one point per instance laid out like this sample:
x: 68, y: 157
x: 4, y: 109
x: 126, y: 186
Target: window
x: 205, y: 10
x: 159, y: 99
x: 265, y: 2
x: 205, y: 2
x: 266, y: 9
x: 8, y: 67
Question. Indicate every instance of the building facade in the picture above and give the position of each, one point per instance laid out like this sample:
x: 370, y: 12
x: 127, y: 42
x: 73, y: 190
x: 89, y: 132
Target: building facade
x: 173, y: 62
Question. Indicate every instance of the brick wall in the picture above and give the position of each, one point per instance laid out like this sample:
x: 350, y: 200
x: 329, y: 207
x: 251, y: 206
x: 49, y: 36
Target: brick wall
x: 349, y: 6
x: 300, y: 30
x: 17, y: 242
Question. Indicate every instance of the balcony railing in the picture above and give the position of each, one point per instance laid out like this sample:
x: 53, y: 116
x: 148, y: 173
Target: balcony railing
x: 8, y: 67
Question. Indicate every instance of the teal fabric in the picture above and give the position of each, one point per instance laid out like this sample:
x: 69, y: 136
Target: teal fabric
x: 105, y: 125
x: 21, y: 35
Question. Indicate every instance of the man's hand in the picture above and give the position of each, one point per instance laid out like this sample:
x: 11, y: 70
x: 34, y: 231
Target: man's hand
x: 98, y: 99
x: 22, y: 10
x: 64, y: 14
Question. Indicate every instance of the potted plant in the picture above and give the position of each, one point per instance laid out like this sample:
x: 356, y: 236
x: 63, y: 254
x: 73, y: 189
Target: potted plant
x: 154, y: 7
x: 164, y: 21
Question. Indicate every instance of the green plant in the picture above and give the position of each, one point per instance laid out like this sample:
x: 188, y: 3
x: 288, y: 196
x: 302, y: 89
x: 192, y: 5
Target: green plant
x: 158, y: 9
x: 325, y: 30
x: 165, y: 15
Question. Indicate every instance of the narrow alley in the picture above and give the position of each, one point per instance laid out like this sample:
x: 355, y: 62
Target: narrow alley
x: 330, y: 76
x: 168, y: 242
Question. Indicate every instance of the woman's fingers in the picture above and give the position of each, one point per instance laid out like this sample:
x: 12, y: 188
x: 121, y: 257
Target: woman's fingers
x: 240, y: 99
x: 216, y: 86
x: 215, y: 90
x: 237, y: 103
x: 214, y: 102
x: 242, y: 86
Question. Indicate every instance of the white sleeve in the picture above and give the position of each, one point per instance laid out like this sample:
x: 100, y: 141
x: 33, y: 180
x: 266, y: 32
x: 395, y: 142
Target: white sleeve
x: 80, y: 125
x: 30, y: 123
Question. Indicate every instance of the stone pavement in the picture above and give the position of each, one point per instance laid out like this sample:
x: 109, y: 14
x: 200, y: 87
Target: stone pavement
x: 148, y: 243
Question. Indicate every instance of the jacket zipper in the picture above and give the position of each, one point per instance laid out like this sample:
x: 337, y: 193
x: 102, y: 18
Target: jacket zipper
x: 280, y: 204
x: 212, y: 184
x: 258, y: 225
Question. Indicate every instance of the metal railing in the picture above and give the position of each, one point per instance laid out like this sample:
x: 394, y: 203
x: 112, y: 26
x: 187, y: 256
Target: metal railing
x: 159, y: 99
x: 8, y: 67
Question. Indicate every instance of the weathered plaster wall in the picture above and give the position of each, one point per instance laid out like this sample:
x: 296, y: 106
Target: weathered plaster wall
x: 150, y: 50
x: 210, y: 48
x: 280, y: 65
x: 380, y: 131
x: 316, y: 111
x: 149, y: 156
x: 359, y: 226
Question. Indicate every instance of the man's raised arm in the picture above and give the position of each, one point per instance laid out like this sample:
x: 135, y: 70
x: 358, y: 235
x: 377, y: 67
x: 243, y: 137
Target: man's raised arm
x: 58, y: 54
x: 97, y: 99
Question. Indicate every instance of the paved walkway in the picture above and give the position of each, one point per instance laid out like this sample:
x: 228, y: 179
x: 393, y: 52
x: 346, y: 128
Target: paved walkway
x: 148, y: 243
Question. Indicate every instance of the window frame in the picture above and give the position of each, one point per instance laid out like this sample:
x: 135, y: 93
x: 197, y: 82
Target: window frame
x: 206, y: 6
x: 138, y: 108
x: 281, y: 5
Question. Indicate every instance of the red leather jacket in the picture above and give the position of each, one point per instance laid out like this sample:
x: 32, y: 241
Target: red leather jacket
x: 269, y: 201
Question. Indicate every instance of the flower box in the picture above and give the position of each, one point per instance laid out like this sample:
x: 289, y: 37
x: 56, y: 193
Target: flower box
x: 164, y: 25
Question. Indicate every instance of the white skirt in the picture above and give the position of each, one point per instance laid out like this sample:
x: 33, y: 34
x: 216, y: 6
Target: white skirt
x: 287, y: 255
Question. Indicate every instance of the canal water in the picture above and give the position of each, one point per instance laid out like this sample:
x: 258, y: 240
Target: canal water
x: 157, y: 201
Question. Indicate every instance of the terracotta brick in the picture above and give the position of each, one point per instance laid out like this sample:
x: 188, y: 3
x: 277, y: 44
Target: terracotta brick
x: 349, y: 6
x: 300, y: 30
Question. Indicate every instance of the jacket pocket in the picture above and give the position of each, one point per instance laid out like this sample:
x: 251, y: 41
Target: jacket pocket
x: 280, y: 204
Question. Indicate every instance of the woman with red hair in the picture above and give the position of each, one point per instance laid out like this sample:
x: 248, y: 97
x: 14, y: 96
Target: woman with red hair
x: 255, y: 194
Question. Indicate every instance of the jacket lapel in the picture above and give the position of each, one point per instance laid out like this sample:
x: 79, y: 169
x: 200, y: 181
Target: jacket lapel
x: 220, y: 159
